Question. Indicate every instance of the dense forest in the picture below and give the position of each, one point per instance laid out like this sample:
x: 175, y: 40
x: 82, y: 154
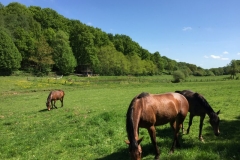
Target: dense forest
x: 39, y: 40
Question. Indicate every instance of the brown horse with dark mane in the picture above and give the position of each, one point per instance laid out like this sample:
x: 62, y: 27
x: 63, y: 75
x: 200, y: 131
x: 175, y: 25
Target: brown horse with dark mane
x: 54, y: 96
x: 150, y: 110
x: 198, y: 106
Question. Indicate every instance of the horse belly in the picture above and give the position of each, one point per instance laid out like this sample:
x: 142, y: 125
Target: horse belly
x: 163, y: 120
x: 166, y: 114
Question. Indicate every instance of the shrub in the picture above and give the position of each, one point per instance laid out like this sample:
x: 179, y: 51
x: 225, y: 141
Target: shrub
x: 178, y: 76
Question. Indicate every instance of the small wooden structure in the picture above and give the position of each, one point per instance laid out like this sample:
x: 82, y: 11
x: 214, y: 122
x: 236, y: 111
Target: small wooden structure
x: 84, y: 70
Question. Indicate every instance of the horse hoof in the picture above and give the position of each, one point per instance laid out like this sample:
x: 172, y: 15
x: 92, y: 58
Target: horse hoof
x: 201, y: 139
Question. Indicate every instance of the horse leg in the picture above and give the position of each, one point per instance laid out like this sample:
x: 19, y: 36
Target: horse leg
x: 175, y: 139
x: 189, y: 123
x: 200, y: 127
x: 51, y: 104
x: 152, y: 133
x: 61, y: 102
x: 182, y: 129
x: 55, y: 104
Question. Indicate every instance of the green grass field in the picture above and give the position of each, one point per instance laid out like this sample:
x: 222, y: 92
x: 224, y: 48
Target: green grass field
x: 91, y: 125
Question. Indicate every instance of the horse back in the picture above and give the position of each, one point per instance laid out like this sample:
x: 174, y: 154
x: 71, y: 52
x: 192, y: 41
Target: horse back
x: 196, y: 107
x: 160, y: 109
x: 56, y: 95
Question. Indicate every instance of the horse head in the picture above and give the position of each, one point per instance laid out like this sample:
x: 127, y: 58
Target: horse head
x: 48, y: 105
x: 214, y: 121
x: 135, y: 150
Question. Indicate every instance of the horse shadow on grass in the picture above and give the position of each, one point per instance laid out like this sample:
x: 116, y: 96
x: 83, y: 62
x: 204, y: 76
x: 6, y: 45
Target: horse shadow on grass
x: 228, y: 142
x: 43, y: 110
x: 165, y: 133
x: 119, y: 155
x: 227, y: 145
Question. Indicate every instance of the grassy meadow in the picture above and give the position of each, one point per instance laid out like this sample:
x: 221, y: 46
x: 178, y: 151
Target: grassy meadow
x: 91, y: 125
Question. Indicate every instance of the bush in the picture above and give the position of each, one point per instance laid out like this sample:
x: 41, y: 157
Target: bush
x: 178, y: 76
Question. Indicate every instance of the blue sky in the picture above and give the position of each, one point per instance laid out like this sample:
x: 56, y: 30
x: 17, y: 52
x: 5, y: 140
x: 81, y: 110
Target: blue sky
x: 205, y: 32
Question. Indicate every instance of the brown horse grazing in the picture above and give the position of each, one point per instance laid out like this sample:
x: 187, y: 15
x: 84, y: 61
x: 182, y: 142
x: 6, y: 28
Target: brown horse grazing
x: 150, y: 110
x: 198, y: 106
x: 54, y: 96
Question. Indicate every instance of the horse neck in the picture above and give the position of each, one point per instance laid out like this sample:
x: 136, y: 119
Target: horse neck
x: 207, y: 107
x: 132, y: 126
x: 49, y: 97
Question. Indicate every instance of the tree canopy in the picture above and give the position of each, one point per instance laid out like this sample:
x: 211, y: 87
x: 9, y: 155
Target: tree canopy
x: 41, y: 40
x: 10, y: 58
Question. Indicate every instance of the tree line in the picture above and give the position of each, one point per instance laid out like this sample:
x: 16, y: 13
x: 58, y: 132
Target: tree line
x: 39, y: 40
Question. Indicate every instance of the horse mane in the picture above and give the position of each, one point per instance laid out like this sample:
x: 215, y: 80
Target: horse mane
x: 204, y: 103
x: 129, y: 121
x: 129, y: 125
x: 143, y: 94
x: 49, y: 97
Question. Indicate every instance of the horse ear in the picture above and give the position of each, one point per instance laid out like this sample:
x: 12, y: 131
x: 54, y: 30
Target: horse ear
x: 218, y: 112
x: 127, y: 142
x: 140, y: 140
x: 196, y: 94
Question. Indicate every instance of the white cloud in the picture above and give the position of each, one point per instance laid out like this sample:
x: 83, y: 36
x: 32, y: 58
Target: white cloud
x: 238, y: 53
x: 224, y: 59
x: 187, y: 28
x: 225, y: 52
x: 219, y: 57
x: 215, y: 57
x: 205, y: 56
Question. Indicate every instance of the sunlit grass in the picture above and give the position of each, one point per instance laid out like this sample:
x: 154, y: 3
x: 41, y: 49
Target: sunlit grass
x: 91, y: 125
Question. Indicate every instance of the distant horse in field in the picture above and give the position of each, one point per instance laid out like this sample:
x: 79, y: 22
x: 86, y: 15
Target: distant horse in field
x: 198, y: 106
x: 54, y: 96
x: 150, y: 110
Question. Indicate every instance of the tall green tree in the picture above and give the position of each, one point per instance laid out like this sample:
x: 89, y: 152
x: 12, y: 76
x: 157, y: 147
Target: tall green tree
x: 42, y: 56
x: 1, y: 15
x: 16, y: 15
x: 158, y: 61
x: 112, y: 62
x: 233, y: 68
x: 10, y: 58
x: 62, y: 53
x: 82, y: 43
x: 144, y: 54
x: 25, y: 44
x: 136, y: 65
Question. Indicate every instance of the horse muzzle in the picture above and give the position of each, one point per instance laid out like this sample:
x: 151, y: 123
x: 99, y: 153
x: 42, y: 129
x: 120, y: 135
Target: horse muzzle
x: 217, y: 133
